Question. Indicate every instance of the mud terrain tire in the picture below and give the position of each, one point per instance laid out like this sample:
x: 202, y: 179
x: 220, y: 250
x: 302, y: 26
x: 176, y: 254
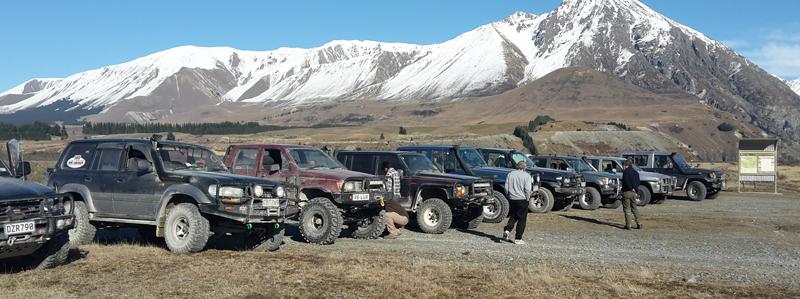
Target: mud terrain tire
x: 612, y: 204
x: 543, y: 203
x: 696, y: 191
x: 83, y: 231
x: 591, y: 200
x: 644, y: 196
x: 497, y: 211
x: 320, y: 221
x: 268, y: 240
x: 51, y: 254
x: 186, y: 230
x: 370, y: 228
x: 434, y: 216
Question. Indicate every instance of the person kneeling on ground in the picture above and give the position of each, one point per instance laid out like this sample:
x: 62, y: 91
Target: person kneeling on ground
x: 630, y: 183
x: 395, y: 218
x: 519, y: 186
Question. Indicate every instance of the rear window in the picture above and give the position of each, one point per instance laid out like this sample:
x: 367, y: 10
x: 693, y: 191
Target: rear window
x: 78, y: 156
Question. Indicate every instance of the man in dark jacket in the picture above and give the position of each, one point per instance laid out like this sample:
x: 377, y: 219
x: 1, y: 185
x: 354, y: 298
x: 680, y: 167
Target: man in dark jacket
x: 630, y: 184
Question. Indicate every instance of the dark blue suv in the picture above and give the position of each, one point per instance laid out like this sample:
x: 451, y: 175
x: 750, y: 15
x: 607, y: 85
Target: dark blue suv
x: 469, y: 161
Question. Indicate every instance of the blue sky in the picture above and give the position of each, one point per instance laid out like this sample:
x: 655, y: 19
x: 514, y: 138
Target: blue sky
x: 59, y: 38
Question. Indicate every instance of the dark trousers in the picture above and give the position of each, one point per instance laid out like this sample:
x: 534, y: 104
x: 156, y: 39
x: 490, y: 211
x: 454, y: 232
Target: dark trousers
x: 517, y: 214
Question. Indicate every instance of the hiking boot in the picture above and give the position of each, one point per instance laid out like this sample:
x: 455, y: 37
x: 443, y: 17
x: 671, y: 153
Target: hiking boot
x: 506, y: 235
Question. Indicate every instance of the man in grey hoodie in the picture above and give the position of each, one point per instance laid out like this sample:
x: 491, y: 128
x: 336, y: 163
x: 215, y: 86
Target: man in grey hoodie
x: 519, y: 185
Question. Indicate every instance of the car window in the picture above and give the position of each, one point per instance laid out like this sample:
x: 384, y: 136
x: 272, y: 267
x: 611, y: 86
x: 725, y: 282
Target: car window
x: 638, y: 160
x: 516, y: 157
x: 364, y: 163
x: 662, y: 162
x: 311, y: 158
x: 419, y: 163
x: 136, y: 151
x: 495, y: 159
x: 393, y: 161
x: 273, y: 156
x: 471, y: 157
x: 4, y: 169
x: 109, y: 159
x: 246, y: 159
x: 540, y: 162
x: 78, y: 156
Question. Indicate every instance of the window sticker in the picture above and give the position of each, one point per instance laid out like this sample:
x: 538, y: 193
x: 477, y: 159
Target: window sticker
x: 76, y: 162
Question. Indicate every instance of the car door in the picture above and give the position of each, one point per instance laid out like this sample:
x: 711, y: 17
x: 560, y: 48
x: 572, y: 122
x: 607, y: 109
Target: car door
x: 135, y: 193
x: 278, y: 157
x: 106, y: 166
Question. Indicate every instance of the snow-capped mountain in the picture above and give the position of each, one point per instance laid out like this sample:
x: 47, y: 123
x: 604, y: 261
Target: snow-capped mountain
x: 620, y: 37
x: 794, y: 85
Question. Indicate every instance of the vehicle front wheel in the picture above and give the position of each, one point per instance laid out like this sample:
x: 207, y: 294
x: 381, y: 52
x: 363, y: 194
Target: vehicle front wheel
x: 612, y: 203
x: 472, y: 217
x: 434, y: 216
x: 83, y: 231
x: 51, y: 254
x: 696, y: 191
x: 269, y: 239
x: 497, y: 210
x: 186, y: 229
x: 320, y: 221
x: 371, y: 227
x: 644, y: 196
x: 591, y: 200
x: 542, y: 203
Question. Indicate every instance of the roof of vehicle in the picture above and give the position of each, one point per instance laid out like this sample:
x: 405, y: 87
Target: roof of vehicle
x: 646, y: 153
x: 376, y: 152
x: 99, y: 140
x: 433, y: 146
x: 272, y: 145
x: 555, y: 156
x: 497, y: 149
x: 604, y: 157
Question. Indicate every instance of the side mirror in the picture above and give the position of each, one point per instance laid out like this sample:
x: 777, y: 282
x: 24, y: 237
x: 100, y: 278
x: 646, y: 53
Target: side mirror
x: 24, y: 169
x: 274, y: 167
x: 143, y: 166
x: 614, y: 170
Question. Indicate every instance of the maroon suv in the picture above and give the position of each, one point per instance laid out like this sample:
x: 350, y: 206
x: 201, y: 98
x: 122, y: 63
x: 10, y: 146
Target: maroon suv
x: 329, y: 196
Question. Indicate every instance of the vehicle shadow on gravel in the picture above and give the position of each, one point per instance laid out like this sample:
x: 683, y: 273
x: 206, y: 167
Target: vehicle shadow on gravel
x: 494, y: 238
x: 14, y: 266
x: 594, y: 221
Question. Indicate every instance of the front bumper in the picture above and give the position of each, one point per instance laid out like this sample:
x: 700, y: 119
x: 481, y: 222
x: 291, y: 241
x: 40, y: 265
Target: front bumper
x: 364, y: 198
x: 46, y: 227
x: 720, y: 184
x: 254, y: 210
x: 570, y: 191
x: 658, y: 188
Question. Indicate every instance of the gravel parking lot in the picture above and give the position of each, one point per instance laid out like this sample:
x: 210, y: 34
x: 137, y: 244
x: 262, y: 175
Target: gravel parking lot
x: 737, y: 245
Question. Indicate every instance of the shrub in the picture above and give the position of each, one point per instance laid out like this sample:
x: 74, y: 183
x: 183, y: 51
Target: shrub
x: 403, y: 131
x: 725, y: 127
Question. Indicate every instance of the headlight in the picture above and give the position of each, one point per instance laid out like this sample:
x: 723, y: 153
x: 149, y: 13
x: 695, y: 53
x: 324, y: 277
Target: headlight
x: 349, y: 187
x: 459, y: 191
x: 605, y: 181
x: 258, y: 191
x: 279, y: 192
x: 230, y: 192
x: 567, y: 180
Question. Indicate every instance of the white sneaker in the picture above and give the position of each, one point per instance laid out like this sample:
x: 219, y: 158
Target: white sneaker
x: 506, y: 235
x: 519, y: 242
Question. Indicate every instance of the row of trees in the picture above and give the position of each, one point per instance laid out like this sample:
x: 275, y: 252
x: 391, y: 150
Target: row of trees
x: 188, y: 128
x: 523, y: 133
x: 32, y: 131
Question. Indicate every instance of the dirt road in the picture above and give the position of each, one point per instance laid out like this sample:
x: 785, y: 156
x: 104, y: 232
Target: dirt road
x: 736, y: 245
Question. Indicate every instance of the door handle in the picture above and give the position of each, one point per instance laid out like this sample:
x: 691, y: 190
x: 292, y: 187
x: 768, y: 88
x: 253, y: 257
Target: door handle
x: 87, y: 179
x: 119, y: 180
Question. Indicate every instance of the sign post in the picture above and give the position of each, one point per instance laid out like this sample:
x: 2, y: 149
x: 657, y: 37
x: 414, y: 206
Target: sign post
x: 758, y: 162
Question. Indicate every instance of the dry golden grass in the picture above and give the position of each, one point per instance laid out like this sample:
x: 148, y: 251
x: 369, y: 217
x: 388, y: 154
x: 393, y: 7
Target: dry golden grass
x: 122, y: 271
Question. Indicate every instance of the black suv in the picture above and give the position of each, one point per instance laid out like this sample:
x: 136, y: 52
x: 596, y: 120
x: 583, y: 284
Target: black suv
x: 434, y: 196
x: 565, y: 186
x: 698, y: 183
x: 601, y: 188
x: 180, y: 191
x: 34, y: 220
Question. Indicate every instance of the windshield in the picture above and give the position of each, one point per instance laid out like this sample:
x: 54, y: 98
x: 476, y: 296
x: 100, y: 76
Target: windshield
x: 680, y: 161
x: 579, y: 165
x: 4, y: 171
x: 419, y: 163
x: 184, y: 157
x: 520, y: 157
x: 311, y: 158
x: 471, y: 157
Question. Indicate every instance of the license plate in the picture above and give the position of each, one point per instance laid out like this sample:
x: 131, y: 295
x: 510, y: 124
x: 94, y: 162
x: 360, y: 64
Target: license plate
x: 20, y: 228
x: 271, y: 203
x: 360, y: 197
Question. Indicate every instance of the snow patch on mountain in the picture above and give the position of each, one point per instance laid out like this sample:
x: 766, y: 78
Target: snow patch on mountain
x: 794, y: 85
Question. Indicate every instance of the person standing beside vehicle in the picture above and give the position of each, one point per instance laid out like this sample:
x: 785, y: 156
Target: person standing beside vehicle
x: 630, y: 184
x: 519, y: 186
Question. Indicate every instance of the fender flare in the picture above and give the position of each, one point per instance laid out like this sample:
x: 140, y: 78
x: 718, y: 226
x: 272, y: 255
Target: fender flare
x: 83, y: 191
x: 166, y: 198
x: 321, y: 189
x: 418, y: 199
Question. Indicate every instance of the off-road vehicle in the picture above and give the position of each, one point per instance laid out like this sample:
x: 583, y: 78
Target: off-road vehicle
x: 179, y: 191
x: 698, y: 183
x: 560, y: 186
x: 435, y: 197
x: 34, y: 218
x: 330, y: 196
x: 602, y: 189
x: 653, y: 188
x: 468, y: 161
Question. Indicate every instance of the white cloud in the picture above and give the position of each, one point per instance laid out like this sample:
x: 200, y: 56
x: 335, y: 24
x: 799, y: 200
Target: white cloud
x: 781, y: 59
